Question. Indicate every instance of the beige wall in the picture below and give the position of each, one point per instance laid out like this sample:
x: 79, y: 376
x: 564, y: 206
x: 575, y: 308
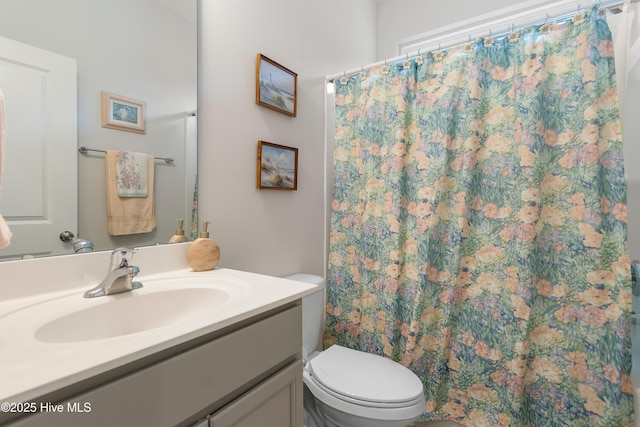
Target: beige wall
x: 271, y: 232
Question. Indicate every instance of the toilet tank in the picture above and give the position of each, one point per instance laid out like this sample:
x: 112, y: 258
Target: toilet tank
x: 312, y: 311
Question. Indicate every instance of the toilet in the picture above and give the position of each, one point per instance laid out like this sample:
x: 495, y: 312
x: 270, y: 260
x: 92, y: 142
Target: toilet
x: 350, y: 388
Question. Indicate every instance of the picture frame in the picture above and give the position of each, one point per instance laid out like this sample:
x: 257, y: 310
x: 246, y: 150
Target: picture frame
x: 276, y: 86
x: 122, y: 113
x: 277, y: 167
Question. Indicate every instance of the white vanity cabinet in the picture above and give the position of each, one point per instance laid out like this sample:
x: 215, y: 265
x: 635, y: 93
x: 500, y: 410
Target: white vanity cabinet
x: 244, y: 375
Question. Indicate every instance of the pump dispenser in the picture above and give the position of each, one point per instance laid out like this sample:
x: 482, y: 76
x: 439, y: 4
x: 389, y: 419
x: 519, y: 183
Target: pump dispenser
x: 179, y: 237
x: 203, y: 253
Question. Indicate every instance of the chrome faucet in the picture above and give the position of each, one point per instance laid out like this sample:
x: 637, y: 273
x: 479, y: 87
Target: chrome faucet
x: 120, y: 275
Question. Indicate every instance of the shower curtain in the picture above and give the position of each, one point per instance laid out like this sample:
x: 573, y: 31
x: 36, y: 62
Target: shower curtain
x: 478, y: 227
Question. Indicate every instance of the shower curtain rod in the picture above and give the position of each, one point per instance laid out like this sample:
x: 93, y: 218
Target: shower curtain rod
x: 564, y: 10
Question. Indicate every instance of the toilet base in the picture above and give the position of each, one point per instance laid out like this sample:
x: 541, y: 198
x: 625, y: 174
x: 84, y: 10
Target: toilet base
x: 317, y: 414
x: 312, y: 417
x: 333, y: 416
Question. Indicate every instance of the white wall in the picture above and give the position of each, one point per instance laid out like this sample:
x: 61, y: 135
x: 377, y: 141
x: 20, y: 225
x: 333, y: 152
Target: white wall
x: 137, y: 49
x: 632, y: 171
x: 399, y: 19
x: 270, y: 232
x: 631, y: 135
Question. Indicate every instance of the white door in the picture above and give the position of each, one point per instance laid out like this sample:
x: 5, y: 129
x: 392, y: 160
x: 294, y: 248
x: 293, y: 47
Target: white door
x: 39, y: 185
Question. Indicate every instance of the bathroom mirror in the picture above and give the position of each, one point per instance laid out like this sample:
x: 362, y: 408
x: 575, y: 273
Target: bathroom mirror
x: 140, y: 49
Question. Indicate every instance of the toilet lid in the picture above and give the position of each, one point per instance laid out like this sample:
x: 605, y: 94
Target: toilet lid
x: 363, y: 376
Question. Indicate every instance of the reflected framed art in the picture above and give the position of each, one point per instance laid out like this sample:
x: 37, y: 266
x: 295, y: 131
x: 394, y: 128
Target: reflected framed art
x: 122, y: 113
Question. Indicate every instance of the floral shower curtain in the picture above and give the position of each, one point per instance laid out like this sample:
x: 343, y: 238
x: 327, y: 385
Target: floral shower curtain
x: 478, y: 229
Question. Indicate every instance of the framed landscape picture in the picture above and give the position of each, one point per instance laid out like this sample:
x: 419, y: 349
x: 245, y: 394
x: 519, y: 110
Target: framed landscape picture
x: 277, y: 167
x: 276, y: 86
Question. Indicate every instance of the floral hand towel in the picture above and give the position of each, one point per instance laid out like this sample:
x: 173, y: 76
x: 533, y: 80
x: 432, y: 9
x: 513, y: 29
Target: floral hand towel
x: 128, y: 215
x: 131, y: 174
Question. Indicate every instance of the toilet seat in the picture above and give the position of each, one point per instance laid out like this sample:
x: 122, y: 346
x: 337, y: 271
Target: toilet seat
x: 418, y: 400
x: 365, y: 379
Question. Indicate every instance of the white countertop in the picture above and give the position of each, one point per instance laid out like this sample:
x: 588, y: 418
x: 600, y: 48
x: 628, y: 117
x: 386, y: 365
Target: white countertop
x: 30, y: 368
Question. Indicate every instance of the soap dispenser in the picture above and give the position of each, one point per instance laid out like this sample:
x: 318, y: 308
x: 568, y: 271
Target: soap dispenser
x: 179, y: 237
x: 203, y: 253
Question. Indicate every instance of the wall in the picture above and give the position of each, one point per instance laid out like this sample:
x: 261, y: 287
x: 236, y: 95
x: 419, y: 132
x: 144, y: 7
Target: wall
x: 399, y: 19
x: 270, y: 232
x: 139, y: 49
x: 631, y: 135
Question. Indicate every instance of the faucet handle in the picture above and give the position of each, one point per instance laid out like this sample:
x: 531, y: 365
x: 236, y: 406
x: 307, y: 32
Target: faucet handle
x: 121, y: 257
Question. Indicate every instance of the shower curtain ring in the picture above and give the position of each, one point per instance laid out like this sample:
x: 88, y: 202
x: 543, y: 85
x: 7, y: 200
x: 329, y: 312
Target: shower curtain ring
x: 406, y: 64
x: 386, y: 69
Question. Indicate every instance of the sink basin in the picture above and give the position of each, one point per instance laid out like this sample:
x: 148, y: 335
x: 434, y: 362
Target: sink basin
x: 159, y: 304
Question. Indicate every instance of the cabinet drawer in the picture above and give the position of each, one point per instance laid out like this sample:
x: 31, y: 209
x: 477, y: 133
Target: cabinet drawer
x: 191, y: 384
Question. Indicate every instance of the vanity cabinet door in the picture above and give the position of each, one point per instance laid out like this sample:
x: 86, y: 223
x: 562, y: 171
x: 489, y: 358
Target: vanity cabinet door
x: 277, y: 402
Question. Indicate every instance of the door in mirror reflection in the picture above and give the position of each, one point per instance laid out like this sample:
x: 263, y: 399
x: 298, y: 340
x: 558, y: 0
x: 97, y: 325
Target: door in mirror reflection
x: 39, y: 183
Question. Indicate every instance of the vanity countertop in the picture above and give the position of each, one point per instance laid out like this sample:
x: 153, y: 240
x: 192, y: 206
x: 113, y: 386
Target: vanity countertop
x: 30, y: 367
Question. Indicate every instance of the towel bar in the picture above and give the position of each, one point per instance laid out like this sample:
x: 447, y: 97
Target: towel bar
x: 84, y: 150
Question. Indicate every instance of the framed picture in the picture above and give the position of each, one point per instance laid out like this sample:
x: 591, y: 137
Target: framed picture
x: 277, y: 167
x: 122, y: 113
x: 276, y: 86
